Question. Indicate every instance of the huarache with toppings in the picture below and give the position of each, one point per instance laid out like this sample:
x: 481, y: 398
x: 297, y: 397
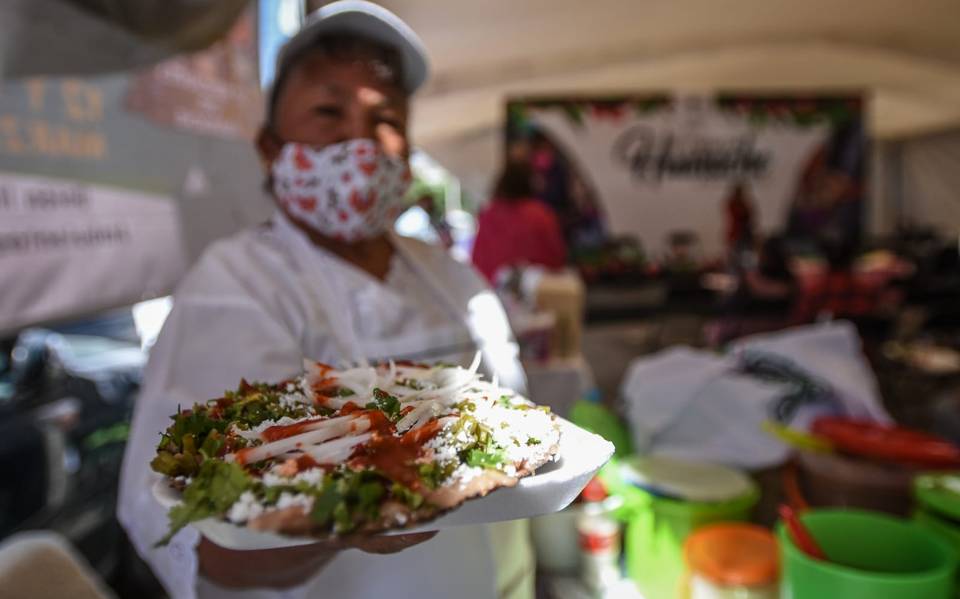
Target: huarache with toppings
x: 362, y: 450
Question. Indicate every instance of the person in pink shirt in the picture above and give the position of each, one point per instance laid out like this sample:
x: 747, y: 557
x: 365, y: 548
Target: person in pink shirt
x: 516, y: 228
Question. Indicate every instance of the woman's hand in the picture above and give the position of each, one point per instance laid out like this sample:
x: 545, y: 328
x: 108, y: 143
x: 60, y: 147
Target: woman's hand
x: 288, y: 566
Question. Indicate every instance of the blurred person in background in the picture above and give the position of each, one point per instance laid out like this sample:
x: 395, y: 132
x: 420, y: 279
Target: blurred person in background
x: 516, y: 228
x: 760, y: 298
x: 325, y: 279
x: 740, y: 222
x: 771, y: 284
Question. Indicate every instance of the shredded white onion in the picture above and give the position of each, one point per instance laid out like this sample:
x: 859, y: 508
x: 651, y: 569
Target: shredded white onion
x: 333, y: 452
x: 425, y: 410
x: 317, y: 432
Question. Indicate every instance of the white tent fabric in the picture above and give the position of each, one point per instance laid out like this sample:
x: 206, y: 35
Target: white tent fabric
x: 905, y: 54
x: 930, y: 183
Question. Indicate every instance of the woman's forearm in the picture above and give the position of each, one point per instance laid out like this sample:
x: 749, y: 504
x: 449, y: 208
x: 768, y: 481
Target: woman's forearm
x: 288, y: 566
x: 270, y: 568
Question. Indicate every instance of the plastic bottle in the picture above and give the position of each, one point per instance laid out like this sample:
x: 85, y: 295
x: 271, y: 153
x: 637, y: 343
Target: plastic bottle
x: 599, y: 539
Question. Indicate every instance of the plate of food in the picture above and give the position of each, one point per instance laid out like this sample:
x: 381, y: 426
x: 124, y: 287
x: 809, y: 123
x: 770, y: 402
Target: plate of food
x: 391, y: 448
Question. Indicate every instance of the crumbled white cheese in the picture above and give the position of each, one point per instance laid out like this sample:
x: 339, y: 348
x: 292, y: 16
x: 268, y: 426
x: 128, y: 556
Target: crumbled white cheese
x: 289, y: 499
x: 245, y: 508
x: 294, y: 399
x: 272, y: 478
x: 520, y: 435
x: 464, y: 474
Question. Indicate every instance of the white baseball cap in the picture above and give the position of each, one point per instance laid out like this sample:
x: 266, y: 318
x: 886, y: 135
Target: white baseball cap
x: 366, y: 20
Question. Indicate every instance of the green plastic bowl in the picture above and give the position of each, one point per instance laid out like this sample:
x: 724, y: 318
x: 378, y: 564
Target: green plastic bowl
x: 872, y: 556
x: 944, y: 529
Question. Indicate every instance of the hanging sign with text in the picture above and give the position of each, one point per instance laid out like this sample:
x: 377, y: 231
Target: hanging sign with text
x: 658, y: 164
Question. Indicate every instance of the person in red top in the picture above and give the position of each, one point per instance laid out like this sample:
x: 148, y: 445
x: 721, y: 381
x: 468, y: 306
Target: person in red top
x: 516, y: 228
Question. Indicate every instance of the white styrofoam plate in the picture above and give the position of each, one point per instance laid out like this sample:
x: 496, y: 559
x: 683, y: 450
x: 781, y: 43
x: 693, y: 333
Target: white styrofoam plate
x: 554, y: 486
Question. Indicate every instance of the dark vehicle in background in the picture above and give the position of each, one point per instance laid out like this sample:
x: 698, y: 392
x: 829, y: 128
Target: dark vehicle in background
x: 66, y: 398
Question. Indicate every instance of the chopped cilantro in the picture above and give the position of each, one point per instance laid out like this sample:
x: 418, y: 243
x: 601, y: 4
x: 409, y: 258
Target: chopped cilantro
x: 325, y: 503
x: 504, y: 401
x: 411, y: 498
x: 483, y: 459
x: 185, y: 444
x: 194, y: 422
x: 467, y: 406
x: 368, y: 497
x: 213, y: 490
x: 212, y: 444
x: 434, y: 473
x: 260, y: 406
x: 343, y: 521
x: 346, y: 498
x: 524, y: 406
x: 411, y: 384
x: 386, y: 403
x: 533, y: 441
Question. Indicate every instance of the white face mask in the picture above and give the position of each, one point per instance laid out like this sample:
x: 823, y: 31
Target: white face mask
x: 348, y: 191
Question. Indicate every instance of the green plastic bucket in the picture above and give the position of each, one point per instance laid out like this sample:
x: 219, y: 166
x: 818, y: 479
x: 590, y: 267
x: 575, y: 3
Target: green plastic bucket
x: 938, y: 505
x: 872, y: 556
x: 945, y: 529
x: 657, y: 527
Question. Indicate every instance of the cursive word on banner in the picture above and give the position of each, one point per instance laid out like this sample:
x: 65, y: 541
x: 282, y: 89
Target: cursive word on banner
x: 653, y: 158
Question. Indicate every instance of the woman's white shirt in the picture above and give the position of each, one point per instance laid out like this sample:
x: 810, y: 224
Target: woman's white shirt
x: 253, y: 307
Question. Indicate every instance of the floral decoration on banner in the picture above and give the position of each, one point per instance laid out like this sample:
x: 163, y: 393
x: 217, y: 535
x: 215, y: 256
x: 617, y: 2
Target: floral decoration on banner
x: 797, y: 111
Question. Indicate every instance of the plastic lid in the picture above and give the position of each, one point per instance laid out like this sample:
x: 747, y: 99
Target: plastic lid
x: 686, y: 481
x: 733, y: 554
x: 594, y: 491
x: 889, y: 443
x: 939, y: 493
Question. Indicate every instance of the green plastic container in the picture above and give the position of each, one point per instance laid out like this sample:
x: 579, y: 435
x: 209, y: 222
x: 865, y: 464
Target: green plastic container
x: 596, y: 418
x: 938, y: 505
x: 945, y: 529
x: 657, y: 527
x: 872, y: 556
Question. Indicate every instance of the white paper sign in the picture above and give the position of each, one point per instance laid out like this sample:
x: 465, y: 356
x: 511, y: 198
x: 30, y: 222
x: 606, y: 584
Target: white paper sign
x: 72, y: 248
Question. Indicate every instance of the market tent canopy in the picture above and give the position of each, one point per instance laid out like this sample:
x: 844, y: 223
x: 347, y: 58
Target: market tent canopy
x: 904, y: 54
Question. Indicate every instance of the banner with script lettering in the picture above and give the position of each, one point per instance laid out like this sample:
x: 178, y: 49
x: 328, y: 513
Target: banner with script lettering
x: 648, y: 166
